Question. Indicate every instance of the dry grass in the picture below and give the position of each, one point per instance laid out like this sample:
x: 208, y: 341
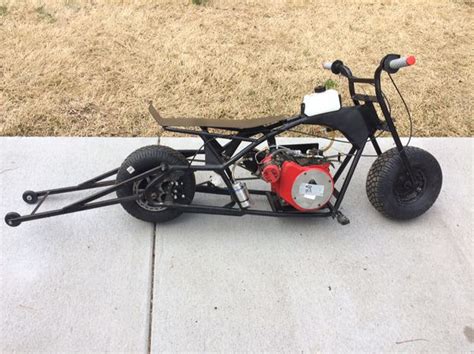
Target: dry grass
x: 86, y: 68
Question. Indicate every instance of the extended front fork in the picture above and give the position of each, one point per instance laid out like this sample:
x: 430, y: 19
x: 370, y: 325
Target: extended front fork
x: 391, y: 125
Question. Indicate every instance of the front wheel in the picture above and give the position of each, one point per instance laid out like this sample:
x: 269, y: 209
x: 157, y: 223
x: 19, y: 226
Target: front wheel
x: 391, y: 190
x: 173, y: 188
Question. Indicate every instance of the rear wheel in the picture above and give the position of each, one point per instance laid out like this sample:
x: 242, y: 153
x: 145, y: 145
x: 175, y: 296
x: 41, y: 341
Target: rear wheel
x: 391, y: 190
x: 176, y: 188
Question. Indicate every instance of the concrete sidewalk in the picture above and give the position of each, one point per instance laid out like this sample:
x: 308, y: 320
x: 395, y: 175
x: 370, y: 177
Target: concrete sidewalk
x: 102, y: 281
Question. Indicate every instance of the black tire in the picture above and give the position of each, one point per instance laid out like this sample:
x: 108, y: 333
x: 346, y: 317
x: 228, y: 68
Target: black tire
x: 30, y: 197
x: 389, y: 188
x: 9, y: 219
x: 143, y: 160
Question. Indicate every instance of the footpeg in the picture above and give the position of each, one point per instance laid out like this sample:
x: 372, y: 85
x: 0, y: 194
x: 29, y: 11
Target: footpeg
x: 342, y: 219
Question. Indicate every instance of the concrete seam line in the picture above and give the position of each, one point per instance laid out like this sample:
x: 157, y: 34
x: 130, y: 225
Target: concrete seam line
x: 152, y: 282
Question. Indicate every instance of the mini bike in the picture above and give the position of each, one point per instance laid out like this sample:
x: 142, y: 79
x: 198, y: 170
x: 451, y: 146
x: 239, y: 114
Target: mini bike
x: 157, y: 183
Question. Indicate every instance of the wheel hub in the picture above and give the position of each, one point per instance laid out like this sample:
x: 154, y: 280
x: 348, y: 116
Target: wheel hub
x: 166, y: 191
x: 406, y: 191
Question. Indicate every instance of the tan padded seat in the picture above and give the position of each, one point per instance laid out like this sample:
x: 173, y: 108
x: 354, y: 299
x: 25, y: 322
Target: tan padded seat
x: 212, y: 123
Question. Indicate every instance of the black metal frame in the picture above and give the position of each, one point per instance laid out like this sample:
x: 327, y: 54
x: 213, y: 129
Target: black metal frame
x: 357, y: 123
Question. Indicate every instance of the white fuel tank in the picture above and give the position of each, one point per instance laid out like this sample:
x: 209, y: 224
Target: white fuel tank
x: 321, y: 102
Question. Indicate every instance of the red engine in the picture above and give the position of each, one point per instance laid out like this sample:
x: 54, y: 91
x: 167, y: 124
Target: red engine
x: 303, y: 181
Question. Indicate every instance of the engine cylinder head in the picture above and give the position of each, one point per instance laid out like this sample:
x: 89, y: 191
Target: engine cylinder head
x: 271, y: 173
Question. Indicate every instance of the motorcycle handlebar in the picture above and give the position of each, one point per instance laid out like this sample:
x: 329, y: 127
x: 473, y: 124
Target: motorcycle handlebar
x: 337, y: 67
